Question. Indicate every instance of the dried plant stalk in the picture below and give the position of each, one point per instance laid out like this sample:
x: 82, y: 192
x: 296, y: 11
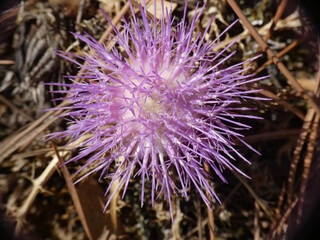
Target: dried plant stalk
x: 276, y: 61
x: 37, y: 186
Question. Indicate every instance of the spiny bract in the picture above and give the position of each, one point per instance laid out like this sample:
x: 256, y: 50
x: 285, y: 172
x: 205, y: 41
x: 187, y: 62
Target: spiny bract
x: 160, y: 105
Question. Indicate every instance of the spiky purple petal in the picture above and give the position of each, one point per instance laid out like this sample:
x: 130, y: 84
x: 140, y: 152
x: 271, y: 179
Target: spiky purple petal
x: 161, y: 108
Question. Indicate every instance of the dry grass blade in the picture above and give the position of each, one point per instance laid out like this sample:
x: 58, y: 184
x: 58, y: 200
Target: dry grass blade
x: 178, y: 217
x: 17, y: 139
x: 11, y: 144
x: 137, y: 6
x: 113, y: 203
x: 28, y: 154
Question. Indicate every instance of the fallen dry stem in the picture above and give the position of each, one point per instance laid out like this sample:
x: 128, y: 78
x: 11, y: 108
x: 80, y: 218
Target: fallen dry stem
x: 197, y: 205
x: 37, y: 186
x: 194, y: 230
x: 256, y: 226
x: 114, y: 22
x: 271, y: 54
x: 285, y: 216
x: 11, y: 144
x: 307, y: 161
x: 283, y: 23
x: 282, y: 102
x: 308, y: 124
x: 210, y: 210
x: 73, y: 192
x: 279, y: 54
x: 277, y: 211
x: 255, y: 196
x: 276, y: 18
x: 297, y: 152
x: 267, y: 136
x: 36, y: 153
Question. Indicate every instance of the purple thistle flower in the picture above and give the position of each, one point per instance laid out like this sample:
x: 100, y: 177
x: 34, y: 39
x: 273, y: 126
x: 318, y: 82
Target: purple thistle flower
x: 160, y: 109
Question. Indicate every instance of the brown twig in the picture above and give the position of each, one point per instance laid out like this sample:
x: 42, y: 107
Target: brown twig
x: 270, y: 53
x: 279, y: 54
x: 282, y: 102
x: 210, y: 210
x: 277, y: 211
x: 73, y: 193
x: 297, y: 151
x: 307, y: 162
x: 256, y: 227
x: 197, y: 205
x: 264, y: 207
x: 194, y: 230
x: 267, y: 136
x: 115, y: 21
x: 137, y: 5
x: 38, y: 183
x: 285, y: 217
x: 276, y: 18
x: 305, y: 130
x: 262, y: 30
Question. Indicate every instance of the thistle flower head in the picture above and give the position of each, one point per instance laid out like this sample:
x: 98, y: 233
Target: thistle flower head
x: 159, y: 105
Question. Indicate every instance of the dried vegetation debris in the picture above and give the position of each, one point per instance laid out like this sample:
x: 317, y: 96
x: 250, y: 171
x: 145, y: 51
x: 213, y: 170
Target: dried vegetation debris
x: 41, y: 29
x: 259, y: 208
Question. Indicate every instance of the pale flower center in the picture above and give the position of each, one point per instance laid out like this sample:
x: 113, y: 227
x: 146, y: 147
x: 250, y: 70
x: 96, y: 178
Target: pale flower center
x: 146, y: 97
